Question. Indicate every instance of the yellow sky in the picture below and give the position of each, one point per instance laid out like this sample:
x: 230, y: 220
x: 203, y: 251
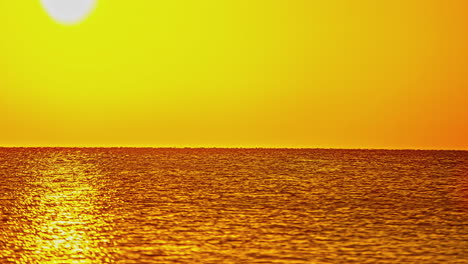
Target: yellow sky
x: 237, y: 73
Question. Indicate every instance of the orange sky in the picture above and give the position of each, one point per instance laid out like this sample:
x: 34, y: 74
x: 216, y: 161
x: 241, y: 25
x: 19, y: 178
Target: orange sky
x: 237, y: 73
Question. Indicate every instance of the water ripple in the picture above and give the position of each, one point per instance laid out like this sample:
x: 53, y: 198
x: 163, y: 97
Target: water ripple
x: 62, y: 205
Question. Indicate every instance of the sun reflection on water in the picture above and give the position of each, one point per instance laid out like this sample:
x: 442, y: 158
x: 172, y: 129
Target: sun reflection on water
x: 66, y: 218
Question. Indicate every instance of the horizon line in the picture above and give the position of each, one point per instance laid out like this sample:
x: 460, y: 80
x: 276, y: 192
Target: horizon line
x: 241, y: 147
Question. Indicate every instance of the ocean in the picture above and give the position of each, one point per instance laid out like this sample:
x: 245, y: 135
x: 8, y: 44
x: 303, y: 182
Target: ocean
x: 151, y: 205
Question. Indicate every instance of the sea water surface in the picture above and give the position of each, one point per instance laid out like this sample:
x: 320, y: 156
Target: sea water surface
x: 129, y: 205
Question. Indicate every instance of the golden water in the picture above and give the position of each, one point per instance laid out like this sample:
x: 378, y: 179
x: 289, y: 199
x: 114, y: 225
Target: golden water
x: 232, y: 206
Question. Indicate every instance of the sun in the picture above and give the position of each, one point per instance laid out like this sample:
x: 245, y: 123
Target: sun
x: 68, y: 12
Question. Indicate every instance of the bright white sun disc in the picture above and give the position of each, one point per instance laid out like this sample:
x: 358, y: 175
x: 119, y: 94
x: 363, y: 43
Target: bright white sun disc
x: 68, y: 11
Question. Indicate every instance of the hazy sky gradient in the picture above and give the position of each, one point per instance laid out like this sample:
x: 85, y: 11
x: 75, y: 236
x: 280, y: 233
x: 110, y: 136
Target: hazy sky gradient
x: 237, y: 73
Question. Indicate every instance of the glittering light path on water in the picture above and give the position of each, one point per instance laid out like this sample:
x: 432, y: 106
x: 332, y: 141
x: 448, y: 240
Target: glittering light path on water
x: 61, y: 217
